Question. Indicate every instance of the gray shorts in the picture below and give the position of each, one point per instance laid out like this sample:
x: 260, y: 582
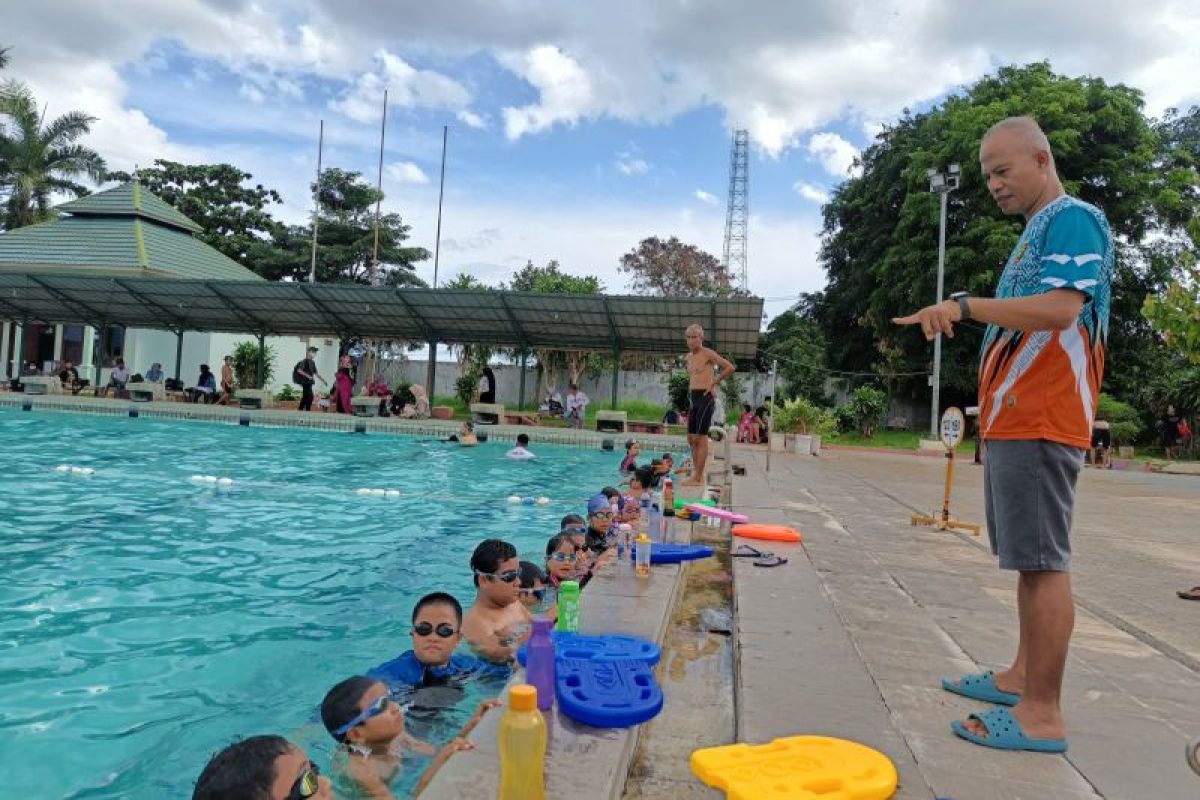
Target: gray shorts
x: 1029, y: 496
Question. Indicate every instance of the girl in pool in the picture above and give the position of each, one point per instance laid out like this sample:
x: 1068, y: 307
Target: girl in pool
x: 629, y: 463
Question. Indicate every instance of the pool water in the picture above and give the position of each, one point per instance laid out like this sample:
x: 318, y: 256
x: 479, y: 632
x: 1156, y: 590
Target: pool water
x: 145, y: 620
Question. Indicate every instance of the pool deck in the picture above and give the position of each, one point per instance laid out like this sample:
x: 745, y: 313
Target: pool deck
x: 850, y: 638
x: 278, y: 418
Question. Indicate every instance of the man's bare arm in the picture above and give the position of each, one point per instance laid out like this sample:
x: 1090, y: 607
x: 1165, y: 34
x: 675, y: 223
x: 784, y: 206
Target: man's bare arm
x: 1052, y: 311
x: 727, y: 367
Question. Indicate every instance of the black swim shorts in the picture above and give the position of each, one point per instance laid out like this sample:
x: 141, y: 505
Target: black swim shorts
x: 700, y: 417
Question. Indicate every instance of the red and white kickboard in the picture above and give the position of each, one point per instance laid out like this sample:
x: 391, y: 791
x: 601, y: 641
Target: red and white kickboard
x: 718, y: 513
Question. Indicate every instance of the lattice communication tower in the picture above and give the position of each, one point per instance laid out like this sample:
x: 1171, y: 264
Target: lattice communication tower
x: 737, y: 216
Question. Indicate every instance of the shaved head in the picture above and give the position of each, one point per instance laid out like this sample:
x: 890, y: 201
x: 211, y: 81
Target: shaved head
x: 1023, y: 131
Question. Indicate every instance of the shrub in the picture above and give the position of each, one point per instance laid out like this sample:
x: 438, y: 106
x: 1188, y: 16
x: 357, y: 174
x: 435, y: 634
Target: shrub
x: 287, y: 394
x: 862, y: 412
x: 1124, y: 422
x: 731, y: 393
x: 802, y: 416
x: 245, y: 364
x: 679, y: 389
x: 466, y: 386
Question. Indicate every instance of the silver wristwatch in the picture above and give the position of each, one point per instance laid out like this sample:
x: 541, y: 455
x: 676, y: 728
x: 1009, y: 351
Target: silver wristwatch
x: 963, y: 305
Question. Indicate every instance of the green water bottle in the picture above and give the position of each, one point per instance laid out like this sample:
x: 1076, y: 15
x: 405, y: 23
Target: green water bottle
x: 568, y: 607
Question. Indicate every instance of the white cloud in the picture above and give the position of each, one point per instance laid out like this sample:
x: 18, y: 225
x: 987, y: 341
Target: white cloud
x: 564, y: 88
x: 628, y: 163
x: 406, y: 172
x: 472, y: 120
x: 810, y: 191
x: 407, y: 87
x: 834, y: 153
x: 251, y: 93
x: 705, y: 197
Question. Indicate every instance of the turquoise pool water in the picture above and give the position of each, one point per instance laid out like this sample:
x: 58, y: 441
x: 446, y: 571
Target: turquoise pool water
x: 145, y: 620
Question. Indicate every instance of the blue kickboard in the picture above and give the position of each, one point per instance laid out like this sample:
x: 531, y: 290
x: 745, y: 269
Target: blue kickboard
x: 604, y: 647
x: 674, y: 553
x: 608, y: 694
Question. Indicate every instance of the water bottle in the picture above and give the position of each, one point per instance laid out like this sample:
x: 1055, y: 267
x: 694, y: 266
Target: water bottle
x: 522, y: 746
x: 568, y: 607
x: 644, y: 517
x: 668, y: 524
x: 642, y: 557
x: 539, y: 663
x: 624, y: 538
x: 668, y: 494
x: 611, y: 536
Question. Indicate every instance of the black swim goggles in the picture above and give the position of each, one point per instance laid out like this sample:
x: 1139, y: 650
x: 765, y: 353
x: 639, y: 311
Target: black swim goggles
x: 444, y: 630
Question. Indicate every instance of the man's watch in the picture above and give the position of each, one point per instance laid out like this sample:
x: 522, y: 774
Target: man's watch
x: 963, y: 305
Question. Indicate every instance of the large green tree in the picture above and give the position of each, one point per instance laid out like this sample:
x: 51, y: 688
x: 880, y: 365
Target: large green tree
x: 797, y: 343
x: 880, y: 235
x: 234, y: 214
x: 39, y: 159
x: 673, y: 268
x: 346, y: 238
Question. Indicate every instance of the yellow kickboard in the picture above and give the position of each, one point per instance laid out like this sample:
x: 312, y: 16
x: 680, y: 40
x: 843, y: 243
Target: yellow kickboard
x: 797, y: 768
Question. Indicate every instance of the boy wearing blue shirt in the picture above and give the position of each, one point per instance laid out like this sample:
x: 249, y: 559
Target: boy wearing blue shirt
x: 436, y: 632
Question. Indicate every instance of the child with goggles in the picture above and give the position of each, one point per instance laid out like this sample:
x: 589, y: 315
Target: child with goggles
x: 498, y: 623
x: 266, y: 766
x: 369, y: 726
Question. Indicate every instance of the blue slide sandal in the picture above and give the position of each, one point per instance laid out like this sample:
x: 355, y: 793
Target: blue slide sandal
x: 981, y: 686
x: 1005, y: 733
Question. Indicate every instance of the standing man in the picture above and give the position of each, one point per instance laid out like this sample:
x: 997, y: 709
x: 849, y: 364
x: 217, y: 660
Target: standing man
x: 305, y: 373
x: 1039, y: 382
x: 701, y: 362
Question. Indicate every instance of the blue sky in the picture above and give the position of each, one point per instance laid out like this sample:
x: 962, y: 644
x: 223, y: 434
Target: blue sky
x: 576, y: 129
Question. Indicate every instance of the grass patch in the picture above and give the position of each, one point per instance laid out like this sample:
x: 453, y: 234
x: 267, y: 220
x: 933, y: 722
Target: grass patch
x: 886, y: 440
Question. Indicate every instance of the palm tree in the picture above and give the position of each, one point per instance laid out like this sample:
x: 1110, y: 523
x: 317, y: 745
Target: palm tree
x: 37, y: 160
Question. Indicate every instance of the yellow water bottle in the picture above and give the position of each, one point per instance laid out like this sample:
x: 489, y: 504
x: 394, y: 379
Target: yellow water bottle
x: 522, y: 747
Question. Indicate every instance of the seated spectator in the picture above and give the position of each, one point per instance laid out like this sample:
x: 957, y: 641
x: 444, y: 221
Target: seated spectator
x: 497, y: 624
x: 671, y: 417
x: 68, y: 376
x: 747, y: 429
x: 553, y: 403
x: 419, y: 407
x: 155, y: 373
x: 263, y: 768
x: 205, y: 389
x: 576, y: 407
x: 369, y: 728
x: 117, y: 379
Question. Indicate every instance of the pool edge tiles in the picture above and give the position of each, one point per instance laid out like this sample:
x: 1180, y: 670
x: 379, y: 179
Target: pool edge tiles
x: 322, y: 421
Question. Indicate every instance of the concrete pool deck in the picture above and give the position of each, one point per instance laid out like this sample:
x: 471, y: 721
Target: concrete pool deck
x: 851, y: 637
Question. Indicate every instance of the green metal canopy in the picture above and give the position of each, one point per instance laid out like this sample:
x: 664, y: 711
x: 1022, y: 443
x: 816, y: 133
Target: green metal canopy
x: 126, y: 231
x: 505, y: 319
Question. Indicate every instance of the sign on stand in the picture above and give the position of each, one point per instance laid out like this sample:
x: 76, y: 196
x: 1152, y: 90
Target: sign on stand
x: 954, y: 426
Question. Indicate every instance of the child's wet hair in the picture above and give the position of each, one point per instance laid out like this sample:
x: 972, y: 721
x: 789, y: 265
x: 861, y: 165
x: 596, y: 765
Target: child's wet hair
x: 243, y: 769
x: 341, y: 703
x: 439, y: 599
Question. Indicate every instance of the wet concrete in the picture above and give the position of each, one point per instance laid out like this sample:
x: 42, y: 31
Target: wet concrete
x: 696, y: 674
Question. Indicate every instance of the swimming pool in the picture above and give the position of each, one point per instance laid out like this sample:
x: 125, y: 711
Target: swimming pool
x: 146, y: 620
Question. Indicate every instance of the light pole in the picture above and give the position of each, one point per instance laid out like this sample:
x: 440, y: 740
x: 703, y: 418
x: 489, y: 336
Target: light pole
x: 943, y: 183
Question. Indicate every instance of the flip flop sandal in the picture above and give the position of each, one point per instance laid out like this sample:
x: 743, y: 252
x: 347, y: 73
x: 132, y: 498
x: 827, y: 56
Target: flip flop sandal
x: 1190, y: 594
x: 981, y: 686
x: 746, y: 551
x: 769, y: 560
x: 1005, y: 733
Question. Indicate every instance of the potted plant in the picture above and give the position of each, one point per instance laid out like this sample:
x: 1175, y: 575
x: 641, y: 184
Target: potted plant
x: 287, y: 398
x: 801, y: 425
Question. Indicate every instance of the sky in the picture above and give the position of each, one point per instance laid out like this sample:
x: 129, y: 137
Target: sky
x: 576, y: 129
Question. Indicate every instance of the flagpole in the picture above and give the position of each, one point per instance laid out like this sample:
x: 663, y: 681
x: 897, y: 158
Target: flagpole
x: 379, y: 193
x: 312, y: 270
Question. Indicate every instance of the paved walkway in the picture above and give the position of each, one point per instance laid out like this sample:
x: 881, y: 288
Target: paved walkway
x: 851, y: 636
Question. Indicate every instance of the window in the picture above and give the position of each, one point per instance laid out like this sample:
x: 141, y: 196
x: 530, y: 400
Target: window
x: 112, y: 345
x: 72, y: 343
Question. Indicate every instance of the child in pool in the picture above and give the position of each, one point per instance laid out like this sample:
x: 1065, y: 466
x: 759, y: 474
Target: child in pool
x: 536, y: 591
x: 629, y: 463
x: 369, y: 728
x: 497, y: 624
x: 562, y: 557
x: 262, y: 766
x: 436, y: 632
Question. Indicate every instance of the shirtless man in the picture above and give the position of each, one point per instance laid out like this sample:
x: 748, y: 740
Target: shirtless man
x: 497, y: 624
x: 700, y: 363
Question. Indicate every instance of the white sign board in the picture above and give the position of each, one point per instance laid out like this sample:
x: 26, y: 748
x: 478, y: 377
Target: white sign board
x: 954, y: 425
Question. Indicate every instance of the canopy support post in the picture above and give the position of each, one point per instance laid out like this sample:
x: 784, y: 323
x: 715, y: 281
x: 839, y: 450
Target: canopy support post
x: 262, y: 357
x: 178, y: 352
x: 521, y: 395
x: 616, y: 372
x: 96, y: 351
x: 431, y: 369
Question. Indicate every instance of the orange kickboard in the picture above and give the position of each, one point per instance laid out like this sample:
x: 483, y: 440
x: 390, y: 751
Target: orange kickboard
x: 797, y: 768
